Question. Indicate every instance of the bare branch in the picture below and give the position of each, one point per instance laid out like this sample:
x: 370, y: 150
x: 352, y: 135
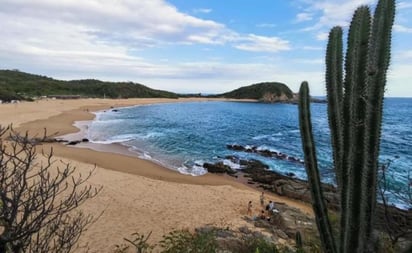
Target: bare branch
x: 38, y: 200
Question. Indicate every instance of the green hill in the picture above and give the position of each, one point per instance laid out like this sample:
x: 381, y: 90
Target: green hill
x: 17, y: 85
x: 268, y: 92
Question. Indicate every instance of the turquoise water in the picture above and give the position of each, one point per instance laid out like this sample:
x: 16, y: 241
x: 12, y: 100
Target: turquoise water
x: 183, y: 136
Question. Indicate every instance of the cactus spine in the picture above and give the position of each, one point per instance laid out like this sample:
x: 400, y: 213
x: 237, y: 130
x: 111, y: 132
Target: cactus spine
x: 355, y: 118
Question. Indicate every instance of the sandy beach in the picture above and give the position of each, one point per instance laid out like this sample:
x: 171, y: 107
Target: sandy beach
x: 137, y: 195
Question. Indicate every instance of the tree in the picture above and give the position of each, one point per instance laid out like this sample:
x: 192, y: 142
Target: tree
x: 38, y: 199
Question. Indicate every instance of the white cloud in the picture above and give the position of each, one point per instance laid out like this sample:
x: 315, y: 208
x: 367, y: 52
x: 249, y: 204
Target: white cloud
x: 402, y: 29
x: 407, y: 54
x: 134, y: 25
x: 404, y: 5
x: 218, y: 77
x: 399, y: 76
x: 202, y: 10
x: 257, y: 43
x: 336, y: 12
x: 127, y: 21
x: 331, y: 13
x: 322, y: 36
x: 304, y: 16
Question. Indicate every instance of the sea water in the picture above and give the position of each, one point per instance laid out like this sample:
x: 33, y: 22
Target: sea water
x: 183, y: 136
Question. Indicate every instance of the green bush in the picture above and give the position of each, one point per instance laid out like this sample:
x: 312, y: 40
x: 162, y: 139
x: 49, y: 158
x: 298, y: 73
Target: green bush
x: 182, y: 241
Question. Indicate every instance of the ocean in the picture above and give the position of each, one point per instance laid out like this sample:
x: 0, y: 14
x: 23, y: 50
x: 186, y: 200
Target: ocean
x: 182, y: 136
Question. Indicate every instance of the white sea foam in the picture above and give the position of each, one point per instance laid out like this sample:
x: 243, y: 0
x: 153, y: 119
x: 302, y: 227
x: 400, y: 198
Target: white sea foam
x: 146, y: 155
x: 117, y: 139
x: 194, y: 170
x: 248, y: 147
x: 108, y: 121
x: 294, y: 131
x: 265, y: 147
x: 261, y: 137
x: 151, y: 135
x: 231, y: 164
x: 268, y: 136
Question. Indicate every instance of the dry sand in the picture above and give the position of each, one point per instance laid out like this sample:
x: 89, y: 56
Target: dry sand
x: 138, y: 195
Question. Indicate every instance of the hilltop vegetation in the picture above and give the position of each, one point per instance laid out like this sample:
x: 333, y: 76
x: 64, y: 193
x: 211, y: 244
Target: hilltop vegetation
x: 17, y: 85
x: 267, y: 92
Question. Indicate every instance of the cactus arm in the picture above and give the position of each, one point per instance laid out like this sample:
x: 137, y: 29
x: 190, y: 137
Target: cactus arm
x: 354, y: 111
x: 335, y: 114
x: 378, y: 62
x: 318, y: 204
x: 335, y: 96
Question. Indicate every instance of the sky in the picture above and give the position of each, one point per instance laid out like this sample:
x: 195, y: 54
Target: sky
x: 188, y: 46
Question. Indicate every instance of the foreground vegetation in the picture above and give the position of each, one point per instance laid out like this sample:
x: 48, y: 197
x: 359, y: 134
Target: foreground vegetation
x: 38, y: 199
x: 183, y: 241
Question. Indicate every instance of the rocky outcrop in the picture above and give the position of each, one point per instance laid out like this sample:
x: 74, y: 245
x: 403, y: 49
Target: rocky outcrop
x: 219, y: 167
x: 265, y: 153
x: 283, y: 185
x: 289, y: 186
x: 400, y: 221
x: 280, y: 228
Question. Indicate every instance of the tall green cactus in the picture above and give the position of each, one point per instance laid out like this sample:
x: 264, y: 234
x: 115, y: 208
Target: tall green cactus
x: 311, y: 164
x: 355, y: 118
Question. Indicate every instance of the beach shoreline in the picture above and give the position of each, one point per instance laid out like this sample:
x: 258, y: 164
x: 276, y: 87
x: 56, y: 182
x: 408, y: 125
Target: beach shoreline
x: 138, y: 195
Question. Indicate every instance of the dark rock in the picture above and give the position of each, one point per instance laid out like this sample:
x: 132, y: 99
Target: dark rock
x: 286, y: 185
x: 279, y: 233
x: 235, y: 147
x: 290, y: 174
x: 85, y: 140
x: 261, y: 223
x: 218, y: 167
x: 245, y: 230
x: 224, y: 233
x: 115, y: 110
x: 72, y: 143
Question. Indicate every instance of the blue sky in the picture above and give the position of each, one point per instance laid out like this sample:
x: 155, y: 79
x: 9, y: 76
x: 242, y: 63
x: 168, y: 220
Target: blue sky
x: 206, y: 46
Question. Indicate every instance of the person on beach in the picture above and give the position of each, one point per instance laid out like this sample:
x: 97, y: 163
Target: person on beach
x: 272, y: 208
x: 262, y: 199
x: 271, y: 205
x: 249, y: 208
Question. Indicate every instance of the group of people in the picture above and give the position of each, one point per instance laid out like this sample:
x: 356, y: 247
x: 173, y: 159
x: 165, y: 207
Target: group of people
x: 267, y: 210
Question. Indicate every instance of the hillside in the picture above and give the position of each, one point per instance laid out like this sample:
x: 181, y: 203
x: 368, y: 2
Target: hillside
x: 16, y: 85
x: 267, y: 92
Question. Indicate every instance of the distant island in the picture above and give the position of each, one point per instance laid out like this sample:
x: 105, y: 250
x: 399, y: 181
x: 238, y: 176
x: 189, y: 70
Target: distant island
x: 18, y: 85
